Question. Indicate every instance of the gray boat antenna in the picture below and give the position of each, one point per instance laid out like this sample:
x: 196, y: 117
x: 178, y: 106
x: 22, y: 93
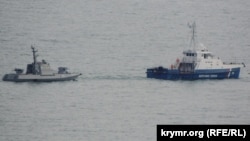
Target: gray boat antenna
x: 35, y: 69
x: 34, y: 53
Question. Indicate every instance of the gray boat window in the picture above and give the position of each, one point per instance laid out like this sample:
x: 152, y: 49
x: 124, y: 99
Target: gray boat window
x: 205, y: 56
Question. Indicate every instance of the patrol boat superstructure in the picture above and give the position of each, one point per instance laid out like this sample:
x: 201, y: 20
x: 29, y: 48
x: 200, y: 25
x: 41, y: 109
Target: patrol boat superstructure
x: 41, y: 72
x: 196, y: 63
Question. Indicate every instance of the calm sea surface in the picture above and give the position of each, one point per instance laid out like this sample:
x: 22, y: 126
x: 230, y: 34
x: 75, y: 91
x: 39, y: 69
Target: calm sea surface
x: 112, y: 43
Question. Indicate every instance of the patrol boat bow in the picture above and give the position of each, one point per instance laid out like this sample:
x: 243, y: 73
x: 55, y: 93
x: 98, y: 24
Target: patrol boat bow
x: 41, y: 72
x: 196, y: 63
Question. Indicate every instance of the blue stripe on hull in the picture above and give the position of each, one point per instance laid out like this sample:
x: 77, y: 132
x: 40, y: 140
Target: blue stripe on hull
x: 163, y: 73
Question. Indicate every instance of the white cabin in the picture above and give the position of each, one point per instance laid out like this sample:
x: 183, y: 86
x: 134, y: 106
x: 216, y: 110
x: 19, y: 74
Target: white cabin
x: 203, y: 59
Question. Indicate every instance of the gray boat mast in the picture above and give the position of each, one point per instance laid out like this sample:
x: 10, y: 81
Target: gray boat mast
x: 35, y: 65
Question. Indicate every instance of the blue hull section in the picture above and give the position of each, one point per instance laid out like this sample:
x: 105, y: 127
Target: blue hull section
x: 169, y: 74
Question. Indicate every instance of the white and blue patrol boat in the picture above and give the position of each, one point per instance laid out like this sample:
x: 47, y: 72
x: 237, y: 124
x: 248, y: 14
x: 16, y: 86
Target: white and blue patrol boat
x: 40, y: 72
x: 196, y: 63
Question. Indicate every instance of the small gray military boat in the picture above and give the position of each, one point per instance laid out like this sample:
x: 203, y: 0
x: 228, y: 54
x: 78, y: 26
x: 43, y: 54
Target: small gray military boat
x: 40, y: 72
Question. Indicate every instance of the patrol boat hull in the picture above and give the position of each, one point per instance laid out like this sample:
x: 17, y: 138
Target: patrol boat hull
x: 168, y: 74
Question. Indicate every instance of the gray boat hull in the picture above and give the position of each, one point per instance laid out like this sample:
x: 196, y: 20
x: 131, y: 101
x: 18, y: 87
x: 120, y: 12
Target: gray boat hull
x: 39, y: 78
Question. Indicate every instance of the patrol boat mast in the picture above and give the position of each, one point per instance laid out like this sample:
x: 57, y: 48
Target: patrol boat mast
x: 193, y: 42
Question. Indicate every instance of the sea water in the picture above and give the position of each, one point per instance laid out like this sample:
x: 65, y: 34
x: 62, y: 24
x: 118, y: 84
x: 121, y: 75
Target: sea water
x: 112, y: 43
